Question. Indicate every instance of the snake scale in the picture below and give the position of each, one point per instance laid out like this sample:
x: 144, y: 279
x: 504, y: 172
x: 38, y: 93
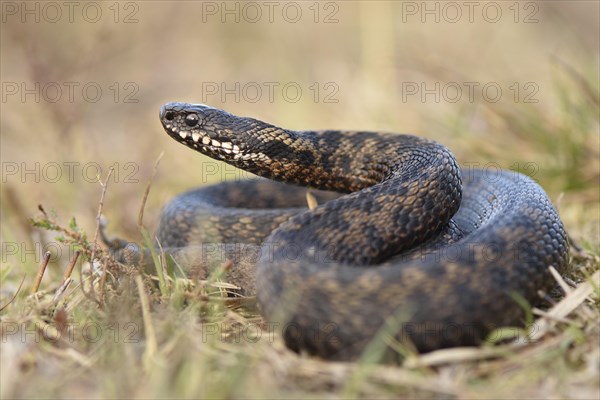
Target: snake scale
x: 403, y: 244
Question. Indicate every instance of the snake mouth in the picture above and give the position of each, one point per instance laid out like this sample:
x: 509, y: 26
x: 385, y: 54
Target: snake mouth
x: 186, y: 124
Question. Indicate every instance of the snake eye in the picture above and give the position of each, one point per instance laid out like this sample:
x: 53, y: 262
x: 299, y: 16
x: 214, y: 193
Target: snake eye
x: 191, y: 120
x: 169, y: 115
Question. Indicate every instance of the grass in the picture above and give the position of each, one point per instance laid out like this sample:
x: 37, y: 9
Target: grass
x: 157, y: 347
x: 112, y: 331
x: 131, y: 337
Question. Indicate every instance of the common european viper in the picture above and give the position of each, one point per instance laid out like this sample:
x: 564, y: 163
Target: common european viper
x: 442, y: 254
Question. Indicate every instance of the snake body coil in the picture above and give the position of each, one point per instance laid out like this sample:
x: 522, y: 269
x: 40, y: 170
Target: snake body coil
x: 416, y: 249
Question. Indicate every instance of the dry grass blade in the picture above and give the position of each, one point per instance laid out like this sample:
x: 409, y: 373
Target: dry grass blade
x: 71, y: 354
x: 61, y: 289
x: 328, y: 374
x: 559, y: 279
x: 581, y: 81
x: 147, y: 190
x: 566, y: 306
x: 151, y: 342
x: 455, y: 355
x: 544, y: 314
x: 311, y: 200
x: 15, y: 295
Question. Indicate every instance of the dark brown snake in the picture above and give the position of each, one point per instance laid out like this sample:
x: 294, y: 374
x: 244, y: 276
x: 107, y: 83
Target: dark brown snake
x: 442, y: 254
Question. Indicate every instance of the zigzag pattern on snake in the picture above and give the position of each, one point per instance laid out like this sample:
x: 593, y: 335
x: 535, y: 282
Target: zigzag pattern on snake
x: 439, y: 253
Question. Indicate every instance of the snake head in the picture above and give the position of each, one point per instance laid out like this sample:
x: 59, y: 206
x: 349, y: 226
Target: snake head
x: 247, y: 143
x: 202, y: 128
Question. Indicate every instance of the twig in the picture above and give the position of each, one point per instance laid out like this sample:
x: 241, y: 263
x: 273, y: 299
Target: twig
x: 95, y: 242
x: 40, y: 274
x: 41, y: 208
x: 91, y: 294
x: 67, y: 277
x: 103, y: 279
x: 69, y: 270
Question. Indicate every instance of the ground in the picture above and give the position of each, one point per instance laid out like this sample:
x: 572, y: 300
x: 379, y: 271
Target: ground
x: 387, y: 66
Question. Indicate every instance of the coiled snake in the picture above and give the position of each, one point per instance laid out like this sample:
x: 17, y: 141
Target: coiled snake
x: 416, y: 249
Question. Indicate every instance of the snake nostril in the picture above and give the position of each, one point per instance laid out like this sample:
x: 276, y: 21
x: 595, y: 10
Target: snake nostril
x: 191, y: 120
x: 169, y: 115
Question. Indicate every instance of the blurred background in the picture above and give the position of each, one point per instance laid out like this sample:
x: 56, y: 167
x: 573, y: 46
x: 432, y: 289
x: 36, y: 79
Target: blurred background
x: 510, y: 85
